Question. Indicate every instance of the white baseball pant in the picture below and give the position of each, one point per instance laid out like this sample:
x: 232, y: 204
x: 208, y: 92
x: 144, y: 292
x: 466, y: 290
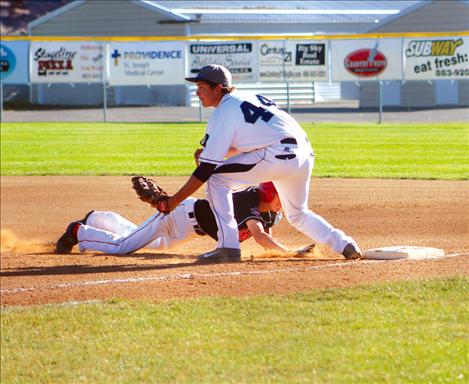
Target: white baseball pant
x: 111, y: 233
x: 291, y: 178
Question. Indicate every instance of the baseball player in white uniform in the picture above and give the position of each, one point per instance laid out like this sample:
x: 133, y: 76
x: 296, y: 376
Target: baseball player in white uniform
x: 249, y: 140
x: 256, y: 209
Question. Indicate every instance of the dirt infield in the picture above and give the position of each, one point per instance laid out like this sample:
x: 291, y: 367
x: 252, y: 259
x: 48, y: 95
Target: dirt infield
x: 35, y: 210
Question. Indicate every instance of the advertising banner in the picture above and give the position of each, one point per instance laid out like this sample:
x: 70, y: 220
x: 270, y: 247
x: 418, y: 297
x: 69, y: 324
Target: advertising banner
x: 66, y: 62
x: 436, y: 58
x: 238, y: 56
x: 14, y: 62
x: 368, y: 59
x: 294, y: 61
x: 146, y: 63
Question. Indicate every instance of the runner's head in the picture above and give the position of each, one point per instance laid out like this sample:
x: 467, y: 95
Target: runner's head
x: 269, y: 195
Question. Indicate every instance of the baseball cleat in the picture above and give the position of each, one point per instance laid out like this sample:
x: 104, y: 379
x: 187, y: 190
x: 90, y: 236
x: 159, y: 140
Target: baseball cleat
x: 221, y: 254
x: 352, y: 252
x: 67, y: 240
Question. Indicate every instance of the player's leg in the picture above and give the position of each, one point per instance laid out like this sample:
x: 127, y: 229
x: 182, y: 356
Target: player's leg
x: 111, y: 222
x: 159, y: 229
x: 291, y: 178
x: 293, y: 192
x: 91, y: 238
x: 235, y: 173
x: 230, y: 176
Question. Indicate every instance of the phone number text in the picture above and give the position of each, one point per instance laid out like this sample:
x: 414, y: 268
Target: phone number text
x: 451, y: 72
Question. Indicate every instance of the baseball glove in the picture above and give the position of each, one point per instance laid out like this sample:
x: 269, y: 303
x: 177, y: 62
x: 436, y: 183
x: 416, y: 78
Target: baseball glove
x: 148, y: 191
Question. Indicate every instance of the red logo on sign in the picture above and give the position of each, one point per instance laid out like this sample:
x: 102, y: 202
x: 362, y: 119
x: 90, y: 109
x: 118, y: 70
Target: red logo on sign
x: 54, y: 67
x: 366, y: 62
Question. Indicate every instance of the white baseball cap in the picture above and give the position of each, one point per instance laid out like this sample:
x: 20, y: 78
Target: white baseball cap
x: 217, y: 74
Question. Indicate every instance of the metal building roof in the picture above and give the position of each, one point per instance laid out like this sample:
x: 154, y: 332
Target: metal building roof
x: 414, y: 8
x: 350, y: 11
x: 291, y: 16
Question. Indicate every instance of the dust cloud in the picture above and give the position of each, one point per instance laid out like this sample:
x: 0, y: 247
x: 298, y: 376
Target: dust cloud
x: 14, y: 244
x: 318, y: 252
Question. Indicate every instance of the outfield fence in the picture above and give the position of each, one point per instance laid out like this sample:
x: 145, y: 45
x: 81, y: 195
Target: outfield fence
x: 394, y: 70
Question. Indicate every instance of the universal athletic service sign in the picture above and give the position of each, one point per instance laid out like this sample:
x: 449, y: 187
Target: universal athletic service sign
x: 239, y: 57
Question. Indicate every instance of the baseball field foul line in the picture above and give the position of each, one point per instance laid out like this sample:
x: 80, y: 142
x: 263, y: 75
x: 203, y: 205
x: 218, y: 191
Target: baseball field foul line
x: 207, y: 275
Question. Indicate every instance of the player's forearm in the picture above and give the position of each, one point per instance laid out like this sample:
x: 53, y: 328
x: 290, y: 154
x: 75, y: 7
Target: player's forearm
x: 269, y: 242
x: 191, y: 186
x: 201, y: 174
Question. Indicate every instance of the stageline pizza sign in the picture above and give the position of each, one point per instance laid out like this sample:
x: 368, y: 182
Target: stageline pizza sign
x: 436, y: 58
x: 239, y: 57
x: 66, y: 62
x: 370, y: 59
x: 292, y: 61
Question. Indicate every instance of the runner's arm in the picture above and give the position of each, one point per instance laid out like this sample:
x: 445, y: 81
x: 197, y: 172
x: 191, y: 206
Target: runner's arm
x: 262, y: 238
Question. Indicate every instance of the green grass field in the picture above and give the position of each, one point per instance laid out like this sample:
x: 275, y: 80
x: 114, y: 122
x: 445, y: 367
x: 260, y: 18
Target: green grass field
x: 417, y: 151
x: 391, y: 333
x: 395, y: 333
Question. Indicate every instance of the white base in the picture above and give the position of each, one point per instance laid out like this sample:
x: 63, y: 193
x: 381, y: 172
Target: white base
x: 402, y: 252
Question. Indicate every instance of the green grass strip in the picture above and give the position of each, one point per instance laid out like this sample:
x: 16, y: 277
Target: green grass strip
x: 415, y: 151
x: 412, y: 332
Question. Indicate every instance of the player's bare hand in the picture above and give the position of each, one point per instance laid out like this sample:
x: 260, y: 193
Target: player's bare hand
x: 305, y: 251
x: 197, y: 153
x: 165, y: 205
